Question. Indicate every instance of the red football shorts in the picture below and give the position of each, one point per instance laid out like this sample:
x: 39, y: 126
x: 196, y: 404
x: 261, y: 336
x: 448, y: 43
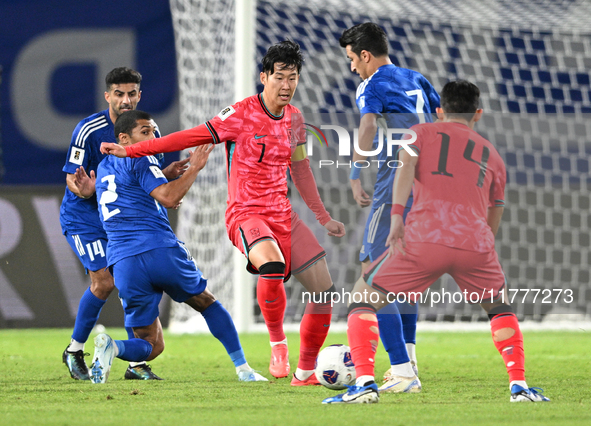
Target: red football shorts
x: 299, y: 246
x: 477, y: 274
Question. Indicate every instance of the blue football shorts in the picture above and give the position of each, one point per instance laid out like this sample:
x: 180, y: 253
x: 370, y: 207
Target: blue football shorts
x: 376, y: 232
x: 141, y: 280
x: 90, y: 247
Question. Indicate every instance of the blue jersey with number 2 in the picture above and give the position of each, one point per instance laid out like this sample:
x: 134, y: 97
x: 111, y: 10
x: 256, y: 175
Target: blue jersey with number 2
x: 134, y: 221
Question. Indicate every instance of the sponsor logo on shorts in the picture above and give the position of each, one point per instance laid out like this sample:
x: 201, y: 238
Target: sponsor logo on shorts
x: 255, y: 233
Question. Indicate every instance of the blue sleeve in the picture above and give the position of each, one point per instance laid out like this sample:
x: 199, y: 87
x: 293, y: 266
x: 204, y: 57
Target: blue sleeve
x: 79, y: 152
x: 370, y: 101
x: 432, y: 95
x: 148, y: 173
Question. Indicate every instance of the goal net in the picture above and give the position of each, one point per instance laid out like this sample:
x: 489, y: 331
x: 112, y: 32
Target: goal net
x: 531, y: 61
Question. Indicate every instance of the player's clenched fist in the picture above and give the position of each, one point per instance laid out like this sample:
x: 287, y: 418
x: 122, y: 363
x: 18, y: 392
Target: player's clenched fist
x: 110, y: 148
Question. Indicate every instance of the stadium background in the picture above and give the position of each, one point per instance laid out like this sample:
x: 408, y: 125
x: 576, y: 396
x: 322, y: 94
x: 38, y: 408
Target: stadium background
x: 531, y: 60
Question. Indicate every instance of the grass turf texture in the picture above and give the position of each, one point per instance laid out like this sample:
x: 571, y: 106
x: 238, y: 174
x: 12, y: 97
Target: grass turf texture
x: 464, y: 382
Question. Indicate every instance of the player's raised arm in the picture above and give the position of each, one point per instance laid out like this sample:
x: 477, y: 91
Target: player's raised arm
x: 303, y: 178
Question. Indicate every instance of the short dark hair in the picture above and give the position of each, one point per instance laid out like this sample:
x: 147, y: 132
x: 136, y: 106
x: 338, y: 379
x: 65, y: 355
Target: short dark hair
x: 287, y: 53
x: 367, y: 36
x: 460, y: 98
x: 122, y: 75
x: 127, y: 121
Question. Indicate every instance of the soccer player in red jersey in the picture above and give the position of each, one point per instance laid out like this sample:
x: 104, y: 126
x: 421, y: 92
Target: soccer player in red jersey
x: 459, y: 184
x: 264, y: 135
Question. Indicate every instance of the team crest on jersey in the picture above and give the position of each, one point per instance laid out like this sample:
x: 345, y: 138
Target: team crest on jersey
x: 255, y: 233
x: 77, y: 156
x: 226, y: 112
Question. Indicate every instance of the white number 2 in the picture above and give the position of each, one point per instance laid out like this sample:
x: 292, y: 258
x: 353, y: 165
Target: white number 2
x: 109, y: 196
x: 420, y: 103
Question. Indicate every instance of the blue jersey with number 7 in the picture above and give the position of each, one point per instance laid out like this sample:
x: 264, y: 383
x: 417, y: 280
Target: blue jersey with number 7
x: 401, y: 98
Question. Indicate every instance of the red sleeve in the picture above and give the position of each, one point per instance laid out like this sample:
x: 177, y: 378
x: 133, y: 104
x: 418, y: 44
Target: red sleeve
x: 302, y: 176
x: 497, y: 189
x: 176, y: 141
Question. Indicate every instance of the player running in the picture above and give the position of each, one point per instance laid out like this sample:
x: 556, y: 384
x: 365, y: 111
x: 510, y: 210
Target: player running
x: 389, y: 97
x: 264, y: 136
x: 80, y: 220
x: 459, y: 191
x: 146, y: 257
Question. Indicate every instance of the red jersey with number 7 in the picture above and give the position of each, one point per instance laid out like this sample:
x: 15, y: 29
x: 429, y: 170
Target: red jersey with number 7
x: 259, y: 146
x: 458, y: 176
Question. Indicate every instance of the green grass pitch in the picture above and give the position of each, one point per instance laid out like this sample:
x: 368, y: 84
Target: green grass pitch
x: 464, y: 383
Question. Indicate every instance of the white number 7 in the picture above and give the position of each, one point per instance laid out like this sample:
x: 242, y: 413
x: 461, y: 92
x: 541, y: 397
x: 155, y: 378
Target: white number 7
x: 420, y: 103
x: 109, y: 196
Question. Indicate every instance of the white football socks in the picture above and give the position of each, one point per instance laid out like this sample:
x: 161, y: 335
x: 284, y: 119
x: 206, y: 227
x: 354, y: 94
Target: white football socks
x: 303, y: 374
x: 75, y: 346
x: 362, y: 380
x: 402, y: 370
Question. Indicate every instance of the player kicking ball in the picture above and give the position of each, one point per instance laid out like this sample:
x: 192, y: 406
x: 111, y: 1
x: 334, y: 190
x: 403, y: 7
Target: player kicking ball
x: 145, y: 256
x: 459, y: 191
x: 264, y: 135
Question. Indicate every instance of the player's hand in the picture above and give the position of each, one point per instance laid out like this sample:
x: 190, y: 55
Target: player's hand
x: 178, y: 204
x: 175, y: 169
x: 335, y: 228
x: 110, y: 148
x: 85, y: 183
x: 359, y: 194
x: 395, y: 240
x: 198, y: 158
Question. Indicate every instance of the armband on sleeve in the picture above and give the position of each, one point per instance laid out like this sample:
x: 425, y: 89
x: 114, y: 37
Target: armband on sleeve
x: 305, y: 183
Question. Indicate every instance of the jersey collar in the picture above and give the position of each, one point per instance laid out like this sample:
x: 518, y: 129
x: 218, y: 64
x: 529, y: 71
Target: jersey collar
x: 269, y: 113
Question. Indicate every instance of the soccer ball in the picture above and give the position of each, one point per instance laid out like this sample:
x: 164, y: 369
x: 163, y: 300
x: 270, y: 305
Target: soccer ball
x: 334, y: 368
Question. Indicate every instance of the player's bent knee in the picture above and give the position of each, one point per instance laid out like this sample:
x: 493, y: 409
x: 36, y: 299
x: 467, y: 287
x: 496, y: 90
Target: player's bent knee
x: 202, y: 301
x: 157, y: 349
x: 101, y: 283
x: 272, y: 268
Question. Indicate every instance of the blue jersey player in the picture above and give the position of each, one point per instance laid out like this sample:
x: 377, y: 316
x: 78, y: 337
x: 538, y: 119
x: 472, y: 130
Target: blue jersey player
x: 389, y: 97
x: 145, y: 256
x: 80, y: 219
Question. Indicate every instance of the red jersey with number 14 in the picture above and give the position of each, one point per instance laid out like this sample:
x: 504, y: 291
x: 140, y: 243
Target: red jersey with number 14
x: 458, y: 175
x: 259, y: 146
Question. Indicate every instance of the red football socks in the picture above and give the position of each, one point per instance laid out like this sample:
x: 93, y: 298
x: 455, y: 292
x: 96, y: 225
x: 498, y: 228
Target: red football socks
x: 508, y: 340
x: 363, y: 334
x: 272, y: 301
x: 313, y: 331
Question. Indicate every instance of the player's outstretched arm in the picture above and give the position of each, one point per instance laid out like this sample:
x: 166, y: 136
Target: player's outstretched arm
x: 367, y: 132
x: 171, y: 193
x: 176, y: 141
x: 80, y: 183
